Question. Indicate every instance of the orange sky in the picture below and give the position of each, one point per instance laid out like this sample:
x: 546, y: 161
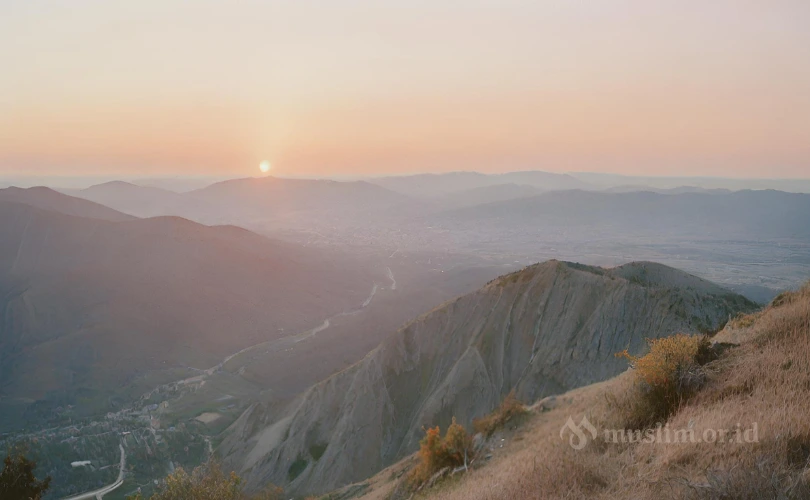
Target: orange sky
x: 351, y: 87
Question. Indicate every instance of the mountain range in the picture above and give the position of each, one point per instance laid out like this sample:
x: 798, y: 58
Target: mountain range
x: 245, y: 200
x: 740, y: 214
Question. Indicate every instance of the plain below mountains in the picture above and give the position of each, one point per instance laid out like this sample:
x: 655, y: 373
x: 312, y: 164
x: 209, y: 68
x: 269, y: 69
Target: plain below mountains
x: 456, y: 183
x: 91, y: 307
x: 540, y: 331
x: 752, y: 215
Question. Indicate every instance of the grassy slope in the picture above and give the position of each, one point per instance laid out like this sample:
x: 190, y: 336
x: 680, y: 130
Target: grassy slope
x: 765, y: 380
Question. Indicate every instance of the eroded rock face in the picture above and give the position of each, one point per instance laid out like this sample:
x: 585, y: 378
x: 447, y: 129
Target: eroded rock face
x: 544, y: 330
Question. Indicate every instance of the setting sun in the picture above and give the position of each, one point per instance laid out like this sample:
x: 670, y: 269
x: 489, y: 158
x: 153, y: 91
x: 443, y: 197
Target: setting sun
x: 264, y: 166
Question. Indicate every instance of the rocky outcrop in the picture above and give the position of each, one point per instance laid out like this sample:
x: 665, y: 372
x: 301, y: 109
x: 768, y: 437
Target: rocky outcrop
x: 541, y: 331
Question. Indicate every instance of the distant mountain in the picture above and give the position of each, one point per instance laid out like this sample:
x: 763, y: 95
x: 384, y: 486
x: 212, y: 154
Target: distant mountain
x: 540, y: 331
x: 606, y: 181
x: 257, y: 203
x: 545, y: 180
x: 430, y: 185
x: 143, y: 201
x: 273, y: 196
x: 433, y: 185
x: 750, y: 214
x: 90, y: 309
x: 48, y: 199
x: 487, y: 194
x: 674, y: 190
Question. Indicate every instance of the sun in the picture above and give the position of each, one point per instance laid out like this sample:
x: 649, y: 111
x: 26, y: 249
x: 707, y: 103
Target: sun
x: 265, y: 166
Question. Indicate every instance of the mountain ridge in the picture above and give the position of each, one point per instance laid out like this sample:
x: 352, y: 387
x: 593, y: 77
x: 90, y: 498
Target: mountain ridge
x: 543, y: 330
x: 48, y: 199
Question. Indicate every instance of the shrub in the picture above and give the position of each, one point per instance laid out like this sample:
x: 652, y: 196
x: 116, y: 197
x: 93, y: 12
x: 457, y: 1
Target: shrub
x: 743, y: 320
x: 665, y: 377
x: 510, y: 409
x: 784, y: 298
x: 297, y: 468
x: 437, y: 453
x: 317, y: 451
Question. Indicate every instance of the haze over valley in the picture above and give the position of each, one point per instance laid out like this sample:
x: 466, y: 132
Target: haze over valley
x: 512, y: 219
x: 134, y: 307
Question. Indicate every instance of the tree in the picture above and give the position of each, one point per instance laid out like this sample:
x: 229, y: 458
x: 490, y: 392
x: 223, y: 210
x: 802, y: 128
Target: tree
x: 18, y: 482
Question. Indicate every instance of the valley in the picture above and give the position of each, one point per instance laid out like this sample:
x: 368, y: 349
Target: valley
x: 166, y: 407
x: 358, y: 310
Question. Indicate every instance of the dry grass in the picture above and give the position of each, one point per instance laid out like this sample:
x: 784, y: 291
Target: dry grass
x: 765, y: 382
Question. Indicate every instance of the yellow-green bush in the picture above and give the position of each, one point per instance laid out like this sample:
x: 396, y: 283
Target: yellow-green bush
x: 665, y: 377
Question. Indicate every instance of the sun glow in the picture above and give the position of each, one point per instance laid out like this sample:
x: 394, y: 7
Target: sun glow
x: 265, y: 166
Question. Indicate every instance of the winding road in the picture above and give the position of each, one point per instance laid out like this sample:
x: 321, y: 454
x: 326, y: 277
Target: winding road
x: 99, y: 494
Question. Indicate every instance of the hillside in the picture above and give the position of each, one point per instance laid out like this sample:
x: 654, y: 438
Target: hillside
x: 760, y: 383
x: 544, y: 330
x: 118, y: 307
x: 48, y: 199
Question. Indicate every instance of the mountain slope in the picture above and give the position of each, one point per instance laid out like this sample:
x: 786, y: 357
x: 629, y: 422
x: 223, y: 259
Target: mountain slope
x: 759, y: 385
x: 48, y: 199
x: 94, y: 307
x: 544, y: 330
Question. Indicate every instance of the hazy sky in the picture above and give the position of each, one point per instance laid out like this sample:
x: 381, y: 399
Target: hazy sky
x: 150, y: 87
